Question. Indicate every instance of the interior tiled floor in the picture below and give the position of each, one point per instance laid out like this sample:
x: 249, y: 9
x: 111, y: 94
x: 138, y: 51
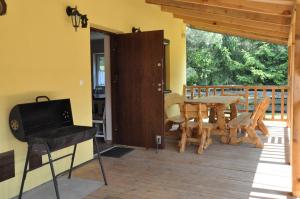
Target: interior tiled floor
x: 223, y: 171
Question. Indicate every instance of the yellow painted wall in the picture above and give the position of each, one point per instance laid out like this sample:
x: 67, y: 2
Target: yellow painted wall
x: 41, y: 54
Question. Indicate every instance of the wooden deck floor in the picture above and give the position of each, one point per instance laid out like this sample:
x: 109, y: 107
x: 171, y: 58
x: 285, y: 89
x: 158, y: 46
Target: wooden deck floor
x: 223, y: 171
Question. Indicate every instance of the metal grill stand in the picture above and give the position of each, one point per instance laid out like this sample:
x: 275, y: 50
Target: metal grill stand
x: 54, y: 176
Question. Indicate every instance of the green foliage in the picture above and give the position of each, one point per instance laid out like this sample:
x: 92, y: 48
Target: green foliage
x: 215, y: 59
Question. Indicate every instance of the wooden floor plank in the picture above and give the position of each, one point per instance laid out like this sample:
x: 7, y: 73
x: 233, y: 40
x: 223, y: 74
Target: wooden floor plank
x: 222, y: 172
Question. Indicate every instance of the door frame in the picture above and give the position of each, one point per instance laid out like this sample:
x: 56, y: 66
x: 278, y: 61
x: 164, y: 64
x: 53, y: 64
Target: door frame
x: 109, y: 106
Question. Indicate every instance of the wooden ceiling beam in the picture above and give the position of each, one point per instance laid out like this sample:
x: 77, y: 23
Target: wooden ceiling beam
x: 243, y: 28
x: 292, y: 26
x: 270, y: 6
x: 235, y: 32
x: 184, y: 13
x: 242, y: 14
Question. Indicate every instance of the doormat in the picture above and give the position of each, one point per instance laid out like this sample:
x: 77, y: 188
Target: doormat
x: 117, y: 152
x: 74, y: 188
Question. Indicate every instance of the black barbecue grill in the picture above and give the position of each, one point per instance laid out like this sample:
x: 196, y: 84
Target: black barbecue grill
x: 48, y: 126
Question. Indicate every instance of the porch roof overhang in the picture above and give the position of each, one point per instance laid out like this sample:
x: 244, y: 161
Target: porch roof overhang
x: 266, y: 20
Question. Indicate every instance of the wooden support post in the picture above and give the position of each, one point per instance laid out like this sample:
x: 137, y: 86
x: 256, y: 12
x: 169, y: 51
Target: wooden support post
x: 296, y: 102
x: 291, y: 55
x: 289, y: 90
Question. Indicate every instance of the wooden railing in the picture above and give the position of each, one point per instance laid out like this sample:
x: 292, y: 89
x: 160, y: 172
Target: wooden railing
x: 250, y: 97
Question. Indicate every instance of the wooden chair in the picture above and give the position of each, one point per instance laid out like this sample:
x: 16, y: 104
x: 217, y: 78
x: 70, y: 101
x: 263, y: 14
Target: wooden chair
x: 194, y: 115
x: 171, y: 100
x: 249, y: 122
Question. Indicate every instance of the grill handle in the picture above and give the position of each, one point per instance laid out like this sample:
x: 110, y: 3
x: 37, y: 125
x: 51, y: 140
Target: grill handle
x: 37, y: 99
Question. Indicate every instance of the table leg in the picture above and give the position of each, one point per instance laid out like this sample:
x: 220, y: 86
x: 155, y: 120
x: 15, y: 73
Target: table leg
x: 212, y: 115
x: 208, y: 139
x: 222, y: 124
x: 233, y: 111
x: 202, y: 142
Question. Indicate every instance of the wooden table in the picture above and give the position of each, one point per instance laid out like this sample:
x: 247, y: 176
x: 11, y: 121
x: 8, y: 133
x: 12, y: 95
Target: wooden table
x: 217, y: 106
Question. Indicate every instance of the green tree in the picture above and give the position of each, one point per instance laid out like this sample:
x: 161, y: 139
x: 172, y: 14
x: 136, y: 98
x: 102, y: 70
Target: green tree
x: 215, y: 59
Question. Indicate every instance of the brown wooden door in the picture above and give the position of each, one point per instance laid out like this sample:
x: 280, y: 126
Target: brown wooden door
x: 138, y: 99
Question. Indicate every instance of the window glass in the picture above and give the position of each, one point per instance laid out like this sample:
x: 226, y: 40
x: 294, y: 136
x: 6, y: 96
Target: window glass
x: 99, y: 71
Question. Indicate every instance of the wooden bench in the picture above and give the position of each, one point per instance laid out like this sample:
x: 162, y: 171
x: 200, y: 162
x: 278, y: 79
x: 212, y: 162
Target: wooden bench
x: 249, y: 122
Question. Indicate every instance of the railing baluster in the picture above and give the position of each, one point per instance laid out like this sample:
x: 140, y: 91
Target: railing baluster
x: 247, y: 99
x: 214, y: 91
x: 264, y: 95
x: 206, y: 91
x: 273, y: 103
x: 255, y: 97
x: 282, y: 104
x: 192, y: 92
x: 222, y: 91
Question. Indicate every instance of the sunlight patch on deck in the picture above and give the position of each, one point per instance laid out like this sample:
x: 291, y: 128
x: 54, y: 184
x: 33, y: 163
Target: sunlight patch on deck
x: 273, y: 171
x: 259, y: 195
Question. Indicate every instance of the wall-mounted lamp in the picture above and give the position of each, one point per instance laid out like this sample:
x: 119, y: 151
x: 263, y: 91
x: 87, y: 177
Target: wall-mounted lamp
x: 3, y: 7
x: 135, y: 30
x: 77, y: 18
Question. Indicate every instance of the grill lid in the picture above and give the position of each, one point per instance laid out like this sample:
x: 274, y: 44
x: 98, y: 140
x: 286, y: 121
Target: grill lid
x: 33, y: 118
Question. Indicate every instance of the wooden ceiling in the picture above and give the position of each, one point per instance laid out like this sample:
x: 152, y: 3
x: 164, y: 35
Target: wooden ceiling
x: 266, y: 20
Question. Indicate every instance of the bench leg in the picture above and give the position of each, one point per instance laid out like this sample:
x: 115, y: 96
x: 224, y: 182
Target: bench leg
x: 252, y: 138
x: 183, y: 140
x: 233, y: 140
x: 262, y: 127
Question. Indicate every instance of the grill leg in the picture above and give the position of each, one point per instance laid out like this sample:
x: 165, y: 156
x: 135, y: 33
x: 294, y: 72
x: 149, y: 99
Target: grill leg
x: 53, y: 173
x: 100, y: 160
x: 72, y: 161
x: 25, y: 172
